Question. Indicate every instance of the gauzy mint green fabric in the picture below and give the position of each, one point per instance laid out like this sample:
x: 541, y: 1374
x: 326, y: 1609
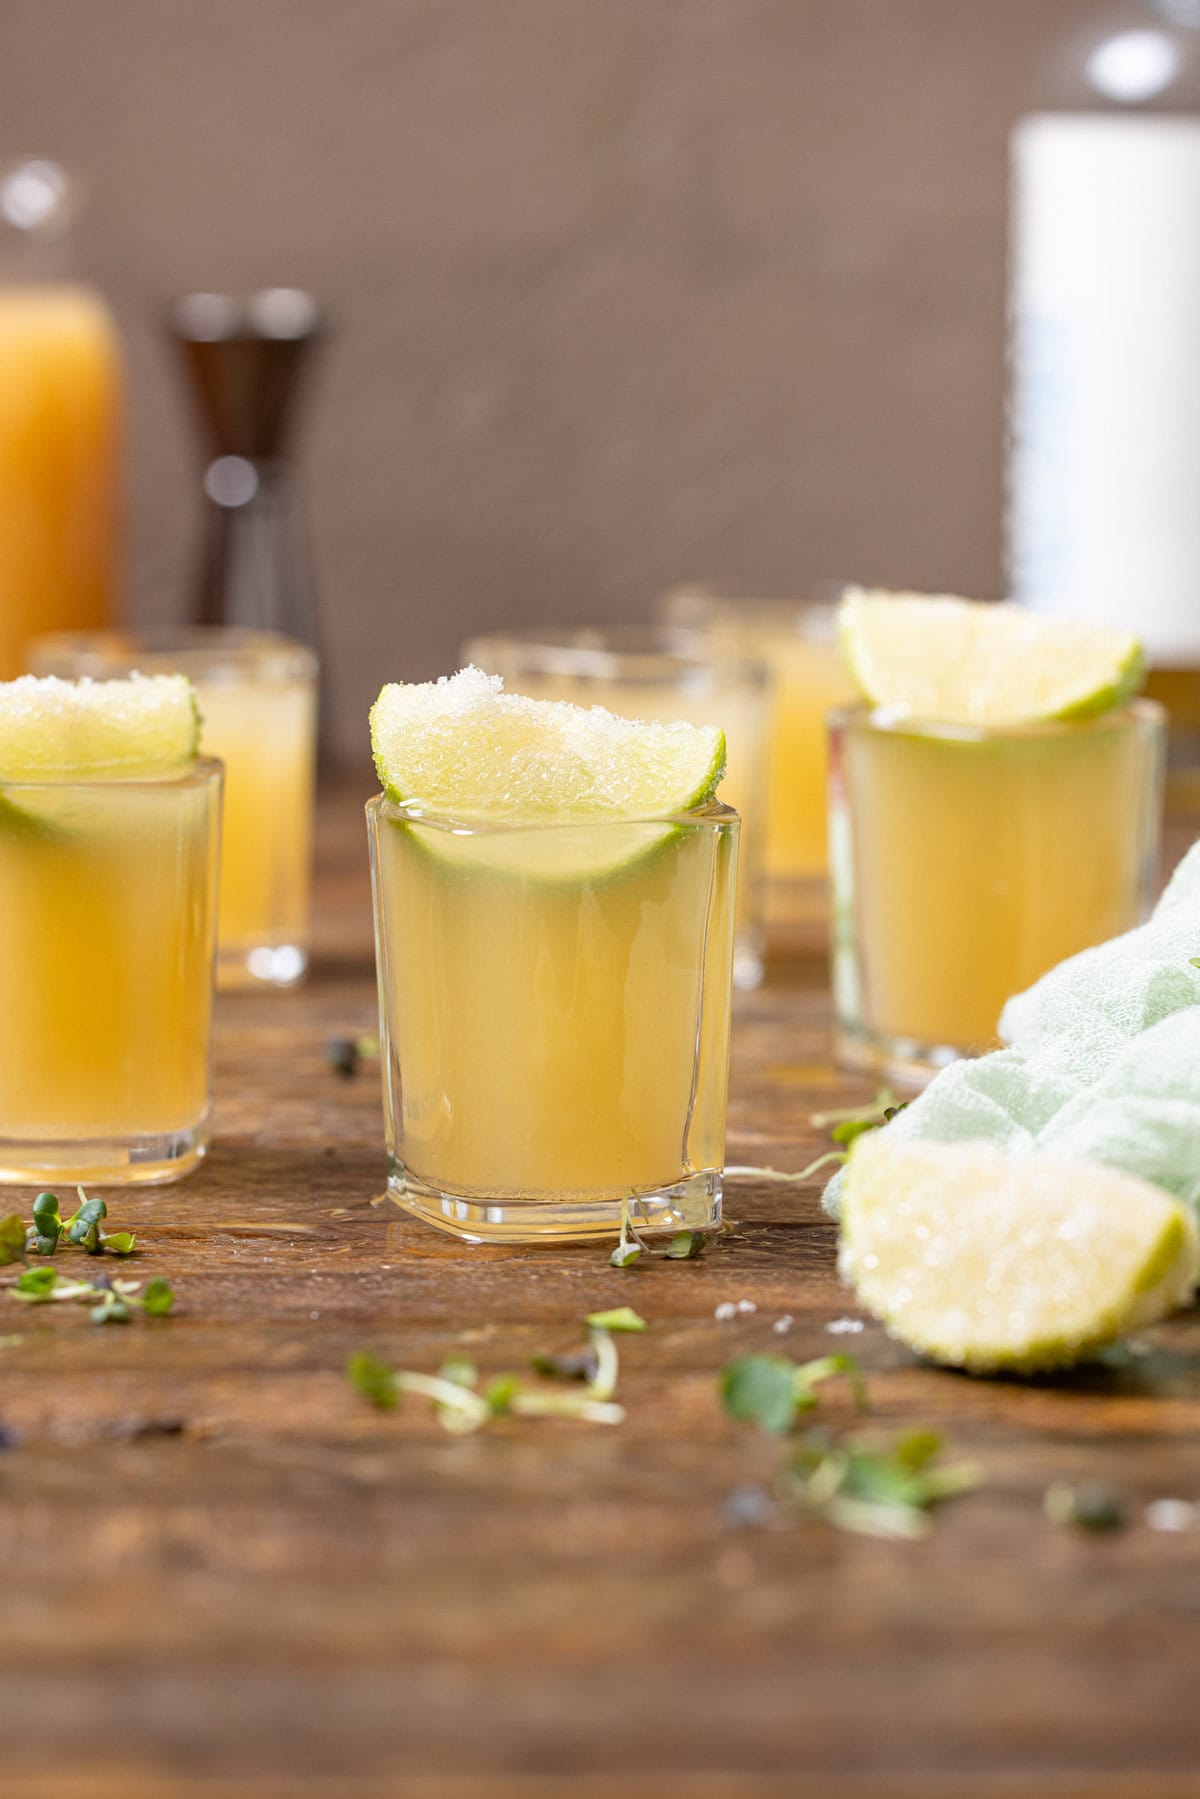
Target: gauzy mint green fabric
x: 1102, y: 1062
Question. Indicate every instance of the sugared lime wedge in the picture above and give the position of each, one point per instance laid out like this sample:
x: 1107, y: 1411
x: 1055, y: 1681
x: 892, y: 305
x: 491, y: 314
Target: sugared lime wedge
x: 96, y: 730
x: 463, y: 748
x: 991, y: 1262
x: 962, y: 662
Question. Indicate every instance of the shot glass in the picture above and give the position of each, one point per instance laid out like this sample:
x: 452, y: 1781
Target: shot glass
x: 969, y: 862
x: 797, y: 641
x: 108, y: 892
x: 647, y: 672
x: 554, y: 1020
x: 258, y: 697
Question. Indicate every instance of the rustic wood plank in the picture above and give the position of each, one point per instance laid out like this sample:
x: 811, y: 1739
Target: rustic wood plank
x: 224, y: 1573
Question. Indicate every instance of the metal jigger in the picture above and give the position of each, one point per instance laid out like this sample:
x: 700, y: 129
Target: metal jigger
x: 244, y: 359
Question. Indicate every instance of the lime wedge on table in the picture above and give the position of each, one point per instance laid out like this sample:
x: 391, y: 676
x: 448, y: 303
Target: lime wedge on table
x: 964, y: 662
x: 463, y: 748
x: 96, y: 730
x: 993, y: 1263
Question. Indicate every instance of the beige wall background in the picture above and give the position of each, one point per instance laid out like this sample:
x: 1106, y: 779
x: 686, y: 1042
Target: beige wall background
x: 625, y: 291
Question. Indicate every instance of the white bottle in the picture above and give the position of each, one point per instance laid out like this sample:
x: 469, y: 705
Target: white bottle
x: 1104, y: 461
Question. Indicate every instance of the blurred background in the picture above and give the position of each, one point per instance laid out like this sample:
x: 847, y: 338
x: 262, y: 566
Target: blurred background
x: 622, y: 291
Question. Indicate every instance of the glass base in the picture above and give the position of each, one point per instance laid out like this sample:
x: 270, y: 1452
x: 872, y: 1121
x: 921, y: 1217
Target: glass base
x: 900, y: 1061
x: 690, y: 1205
x: 241, y: 966
x: 103, y: 1161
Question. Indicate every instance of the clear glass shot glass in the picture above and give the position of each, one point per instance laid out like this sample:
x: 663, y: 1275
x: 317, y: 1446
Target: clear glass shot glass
x: 554, y: 1019
x: 108, y: 892
x: 645, y: 671
x: 969, y: 862
x: 258, y: 699
x: 797, y: 641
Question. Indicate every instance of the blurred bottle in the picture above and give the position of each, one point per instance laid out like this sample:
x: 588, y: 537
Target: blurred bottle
x: 60, y: 393
x: 1104, y: 468
x: 245, y: 359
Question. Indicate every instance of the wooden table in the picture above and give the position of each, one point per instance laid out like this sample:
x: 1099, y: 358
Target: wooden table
x: 225, y: 1573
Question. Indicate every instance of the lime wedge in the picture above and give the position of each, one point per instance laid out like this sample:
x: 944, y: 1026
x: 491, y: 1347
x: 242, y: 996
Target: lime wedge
x: 991, y: 1262
x: 96, y: 730
x: 963, y: 662
x: 463, y: 748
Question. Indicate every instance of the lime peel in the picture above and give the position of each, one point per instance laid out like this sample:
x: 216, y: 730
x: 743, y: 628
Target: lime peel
x: 1000, y: 1263
x: 945, y: 660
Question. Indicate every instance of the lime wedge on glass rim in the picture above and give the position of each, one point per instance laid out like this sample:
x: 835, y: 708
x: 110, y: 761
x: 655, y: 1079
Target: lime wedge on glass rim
x: 54, y: 731
x: 480, y: 762
x: 969, y: 662
x: 999, y: 1263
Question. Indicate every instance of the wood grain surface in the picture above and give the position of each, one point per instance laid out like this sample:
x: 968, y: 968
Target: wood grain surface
x: 224, y: 1573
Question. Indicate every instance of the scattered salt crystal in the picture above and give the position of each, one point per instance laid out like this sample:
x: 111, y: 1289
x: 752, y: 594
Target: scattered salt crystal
x: 1172, y: 1514
x: 725, y: 1310
x: 783, y: 1324
x: 746, y: 1305
x: 844, y: 1327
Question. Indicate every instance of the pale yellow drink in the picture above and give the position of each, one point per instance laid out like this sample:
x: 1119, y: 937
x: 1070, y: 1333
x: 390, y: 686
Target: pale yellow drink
x: 108, y: 897
x: 59, y: 399
x: 257, y: 698
x: 265, y: 733
x: 971, y: 861
x: 795, y: 639
x: 555, y: 1006
x: 633, y: 671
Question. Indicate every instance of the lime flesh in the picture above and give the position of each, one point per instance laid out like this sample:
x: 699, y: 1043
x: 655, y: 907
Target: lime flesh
x: 996, y: 1263
x: 96, y: 730
x: 463, y: 748
x: 965, y: 662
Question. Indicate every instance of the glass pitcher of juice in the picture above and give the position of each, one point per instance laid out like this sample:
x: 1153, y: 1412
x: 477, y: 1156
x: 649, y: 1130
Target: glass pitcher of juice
x: 60, y: 384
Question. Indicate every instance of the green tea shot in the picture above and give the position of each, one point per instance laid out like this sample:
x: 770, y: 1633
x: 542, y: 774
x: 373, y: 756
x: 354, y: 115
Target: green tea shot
x: 554, y: 906
x: 109, y: 844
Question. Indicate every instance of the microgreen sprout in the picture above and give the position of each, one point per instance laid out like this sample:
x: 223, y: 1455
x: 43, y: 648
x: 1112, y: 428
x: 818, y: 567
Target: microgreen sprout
x: 461, y: 1407
x: 843, y: 1127
x: 112, y: 1301
x: 871, y: 1486
x: 682, y: 1246
x: 83, y: 1229
x: 773, y: 1390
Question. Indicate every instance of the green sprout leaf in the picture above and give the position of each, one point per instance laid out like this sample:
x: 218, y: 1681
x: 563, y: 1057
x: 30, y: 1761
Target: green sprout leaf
x: 771, y: 1390
x: 12, y: 1240
x: 625, y: 1255
x: 763, y: 1388
x: 374, y: 1380
x: 158, y: 1299
x: 37, y: 1284
x: 122, y: 1243
x: 621, y: 1318
x: 685, y: 1246
x: 500, y: 1393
